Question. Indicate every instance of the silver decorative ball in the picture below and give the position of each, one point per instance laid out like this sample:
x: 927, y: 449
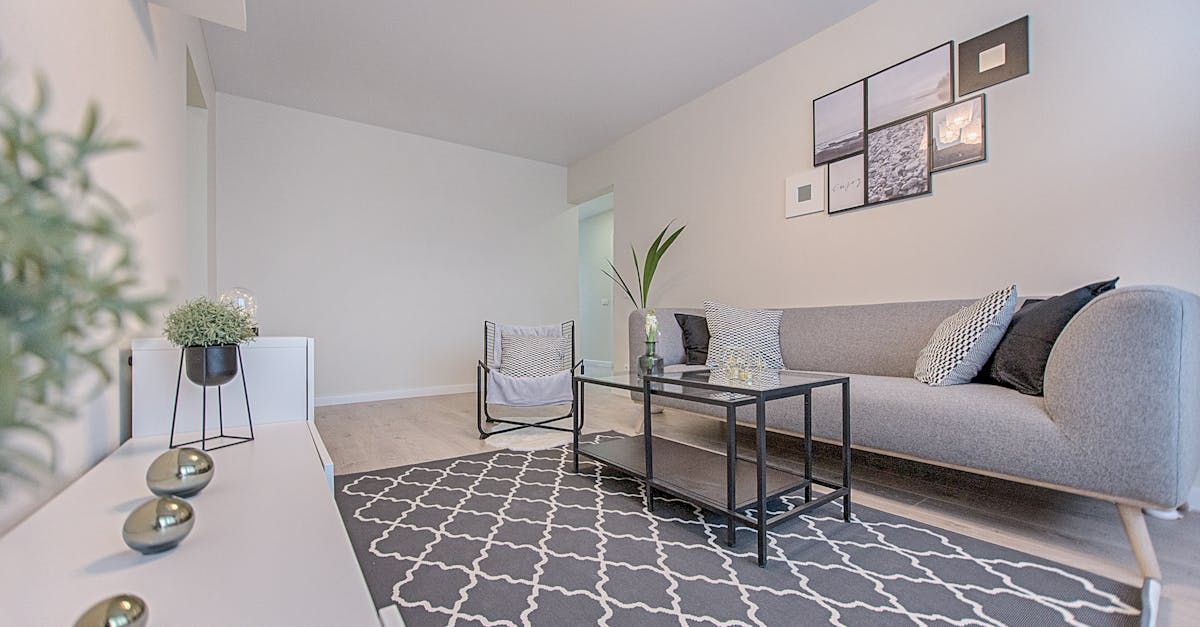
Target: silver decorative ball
x: 180, y: 472
x: 158, y: 524
x: 123, y: 610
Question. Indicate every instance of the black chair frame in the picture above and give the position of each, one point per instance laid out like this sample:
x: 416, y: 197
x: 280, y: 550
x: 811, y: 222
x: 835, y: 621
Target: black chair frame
x: 482, y: 368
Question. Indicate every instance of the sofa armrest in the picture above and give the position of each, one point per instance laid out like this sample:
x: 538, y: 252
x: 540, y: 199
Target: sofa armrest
x: 670, y: 335
x: 1122, y: 382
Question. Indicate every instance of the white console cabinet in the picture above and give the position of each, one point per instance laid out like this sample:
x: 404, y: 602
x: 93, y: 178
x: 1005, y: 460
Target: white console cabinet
x: 278, y: 372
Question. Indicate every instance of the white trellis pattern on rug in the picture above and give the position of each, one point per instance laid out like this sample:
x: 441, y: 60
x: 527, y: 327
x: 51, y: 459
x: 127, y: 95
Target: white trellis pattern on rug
x: 516, y: 538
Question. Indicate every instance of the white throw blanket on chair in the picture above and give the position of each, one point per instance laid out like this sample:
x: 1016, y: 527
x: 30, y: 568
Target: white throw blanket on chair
x: 529, y: 391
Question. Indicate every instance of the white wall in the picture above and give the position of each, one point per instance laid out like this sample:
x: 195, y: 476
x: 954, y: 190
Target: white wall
x: 1091, y: 170
x: 129, y: 58
x: 196, y: 280
x: 389, y: 248
x: 595, y: 289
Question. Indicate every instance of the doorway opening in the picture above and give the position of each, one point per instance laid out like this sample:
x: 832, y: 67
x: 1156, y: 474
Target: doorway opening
x: 596, y: 290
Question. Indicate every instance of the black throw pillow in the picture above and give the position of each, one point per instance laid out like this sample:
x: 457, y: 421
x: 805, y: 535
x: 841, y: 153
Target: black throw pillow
x: 1019, y: 362
x: 695, y: 338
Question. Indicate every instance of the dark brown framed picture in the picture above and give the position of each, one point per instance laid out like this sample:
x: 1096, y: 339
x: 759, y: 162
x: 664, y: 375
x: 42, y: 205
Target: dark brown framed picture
x: 898, y: 161
x: 845, y: 181
x: 958, y: 134
x: 994, y: 57
x: 911, y: 87
x: 838, y: 124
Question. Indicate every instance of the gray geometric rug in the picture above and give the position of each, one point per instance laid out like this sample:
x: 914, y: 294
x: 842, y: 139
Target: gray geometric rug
x: 516, y: 538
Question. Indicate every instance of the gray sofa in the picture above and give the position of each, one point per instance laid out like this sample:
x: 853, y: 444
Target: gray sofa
x: 1120, y: 419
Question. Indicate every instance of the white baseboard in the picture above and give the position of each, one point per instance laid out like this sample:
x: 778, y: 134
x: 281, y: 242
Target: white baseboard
x: 387, y: 395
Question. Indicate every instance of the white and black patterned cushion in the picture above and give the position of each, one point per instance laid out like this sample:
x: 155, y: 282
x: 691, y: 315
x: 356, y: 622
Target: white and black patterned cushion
x: 962, y: 343
x: 532, y: 356
x: 755, y: 329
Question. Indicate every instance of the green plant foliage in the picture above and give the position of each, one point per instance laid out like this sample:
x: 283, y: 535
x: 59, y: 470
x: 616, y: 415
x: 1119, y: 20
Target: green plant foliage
x: 69, y: 279
x: 644, y: 275
x: 205, y: 322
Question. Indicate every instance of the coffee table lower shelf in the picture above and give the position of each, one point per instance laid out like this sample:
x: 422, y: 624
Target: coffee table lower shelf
x: 699, y: 476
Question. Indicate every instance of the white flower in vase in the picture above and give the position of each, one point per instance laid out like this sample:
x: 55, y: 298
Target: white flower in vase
x: 651, y: 326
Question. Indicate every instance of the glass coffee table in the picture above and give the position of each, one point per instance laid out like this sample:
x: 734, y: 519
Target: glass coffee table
x: 734, y: 485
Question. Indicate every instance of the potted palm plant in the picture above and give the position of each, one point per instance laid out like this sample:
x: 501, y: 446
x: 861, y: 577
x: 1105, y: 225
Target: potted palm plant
x: 209, y: 333
x: 651, y: 362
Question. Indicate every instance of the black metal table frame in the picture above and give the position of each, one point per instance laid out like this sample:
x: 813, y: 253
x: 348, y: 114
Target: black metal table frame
x: 739, y: 397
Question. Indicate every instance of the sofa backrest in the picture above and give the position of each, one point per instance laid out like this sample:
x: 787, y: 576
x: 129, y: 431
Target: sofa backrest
x: 883, y: 339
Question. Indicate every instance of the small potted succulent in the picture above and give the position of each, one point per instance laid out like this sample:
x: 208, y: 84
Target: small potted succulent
x: 209, y: 333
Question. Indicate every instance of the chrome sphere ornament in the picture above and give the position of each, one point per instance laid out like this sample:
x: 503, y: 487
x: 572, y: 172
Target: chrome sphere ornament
x: 123, y: 610
x: 180, y: 472
x: 158, y: 524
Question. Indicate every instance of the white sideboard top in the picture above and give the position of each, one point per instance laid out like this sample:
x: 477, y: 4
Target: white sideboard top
x: 268, y: 547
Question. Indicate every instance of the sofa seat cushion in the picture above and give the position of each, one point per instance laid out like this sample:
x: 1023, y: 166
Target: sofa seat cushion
x: 978, y: 426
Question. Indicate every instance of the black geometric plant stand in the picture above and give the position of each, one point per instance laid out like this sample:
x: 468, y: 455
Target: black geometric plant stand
x: 221, y: 435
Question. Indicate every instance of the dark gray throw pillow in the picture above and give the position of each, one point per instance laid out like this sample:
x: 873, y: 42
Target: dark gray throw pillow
x: 695, y: 338
x: 1020, y: 360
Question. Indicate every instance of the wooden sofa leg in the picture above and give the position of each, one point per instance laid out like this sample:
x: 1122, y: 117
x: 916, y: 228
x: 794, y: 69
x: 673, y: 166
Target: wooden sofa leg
x: 1139, y: 539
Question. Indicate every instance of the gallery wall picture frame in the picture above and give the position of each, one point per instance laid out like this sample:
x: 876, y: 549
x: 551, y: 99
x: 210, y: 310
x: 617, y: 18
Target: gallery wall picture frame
x: 839, y: 123
x: 804, y: 193
x: 846, y: 179
x: 998, y: 55
x: 958, y: 134
x: 916, y: 85
x: 897, y: 161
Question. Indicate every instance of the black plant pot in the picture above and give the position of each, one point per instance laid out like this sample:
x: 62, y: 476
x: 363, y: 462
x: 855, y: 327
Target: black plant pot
x: 211, y: 365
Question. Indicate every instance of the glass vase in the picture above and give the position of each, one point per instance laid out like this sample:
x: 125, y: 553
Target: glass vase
x: 651, y: 362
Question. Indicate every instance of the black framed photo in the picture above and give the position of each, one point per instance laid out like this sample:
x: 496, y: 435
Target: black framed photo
x: 845, y: 180
x: 913, y: 86
x: 838, y: 119
x: 994, y: 57
x: 958, y: 134
x: 898, y: 161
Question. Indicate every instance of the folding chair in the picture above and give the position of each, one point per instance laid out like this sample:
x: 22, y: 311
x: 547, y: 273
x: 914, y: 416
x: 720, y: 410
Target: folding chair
x: 533, y: 367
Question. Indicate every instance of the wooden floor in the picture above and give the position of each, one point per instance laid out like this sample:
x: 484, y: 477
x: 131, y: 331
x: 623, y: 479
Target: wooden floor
x: 1079, y: 531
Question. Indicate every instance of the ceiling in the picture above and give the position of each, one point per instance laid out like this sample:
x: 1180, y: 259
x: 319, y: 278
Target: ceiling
x: 552, y: 80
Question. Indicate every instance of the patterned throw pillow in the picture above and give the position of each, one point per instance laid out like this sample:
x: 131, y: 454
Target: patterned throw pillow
x: 755, y: 329
x: 533, y: 356
x: 962, y: 343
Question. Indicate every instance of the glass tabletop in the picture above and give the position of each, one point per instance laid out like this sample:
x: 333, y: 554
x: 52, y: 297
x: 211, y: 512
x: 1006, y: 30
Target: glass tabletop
x: 715, y: 385
x: 627, y: 380
x: 756, y: 383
